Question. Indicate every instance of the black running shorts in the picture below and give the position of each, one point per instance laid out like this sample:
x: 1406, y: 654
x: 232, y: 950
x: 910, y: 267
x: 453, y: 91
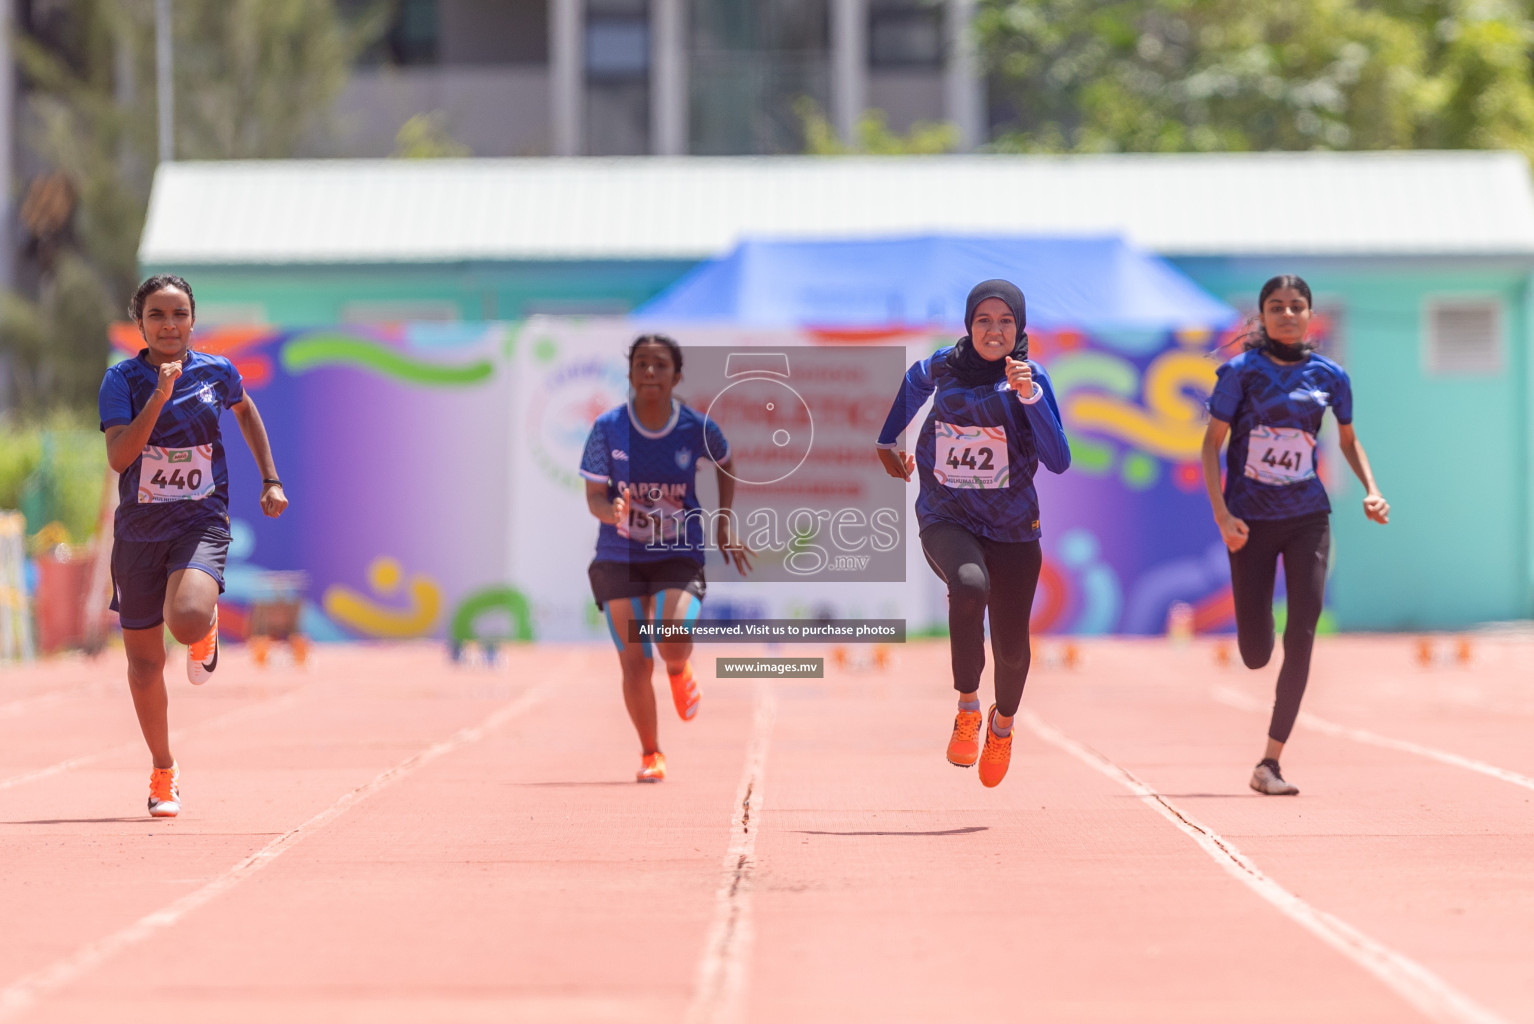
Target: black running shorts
x: 615, y: 581
x: 141, y: 569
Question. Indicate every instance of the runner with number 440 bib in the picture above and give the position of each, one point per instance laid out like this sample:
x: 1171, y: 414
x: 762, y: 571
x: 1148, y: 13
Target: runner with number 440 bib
x: 994, y: 419
x: 160, y: 412
x: 1269, y: 401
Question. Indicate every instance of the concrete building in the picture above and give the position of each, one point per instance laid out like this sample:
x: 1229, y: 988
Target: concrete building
x: 659, y: 77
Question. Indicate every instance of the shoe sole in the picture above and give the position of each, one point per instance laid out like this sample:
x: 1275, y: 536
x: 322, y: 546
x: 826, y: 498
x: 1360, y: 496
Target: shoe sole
x: 165, y: 814
x: 651, y: 779
x: 963, y: 764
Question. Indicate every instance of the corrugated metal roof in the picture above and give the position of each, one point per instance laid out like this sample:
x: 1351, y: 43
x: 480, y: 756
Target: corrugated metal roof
x: 370, y: 211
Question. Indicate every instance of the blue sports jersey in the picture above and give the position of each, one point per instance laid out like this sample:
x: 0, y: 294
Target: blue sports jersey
x: 658, y: 472
x: 1275, y: 413
x: 979, y: 449
x: 180, y: 479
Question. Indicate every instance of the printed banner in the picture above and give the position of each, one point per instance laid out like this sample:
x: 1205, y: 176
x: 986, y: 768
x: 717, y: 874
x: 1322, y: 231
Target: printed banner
x: 432, y: 470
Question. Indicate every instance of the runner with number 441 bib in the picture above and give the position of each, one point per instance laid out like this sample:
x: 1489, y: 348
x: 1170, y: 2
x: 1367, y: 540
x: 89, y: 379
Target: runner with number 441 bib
x: 160, y: 412
x: 994, y: 419
x: 1269, y: 401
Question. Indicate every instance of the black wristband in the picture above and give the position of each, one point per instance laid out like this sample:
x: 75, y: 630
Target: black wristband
x: 270, y: 481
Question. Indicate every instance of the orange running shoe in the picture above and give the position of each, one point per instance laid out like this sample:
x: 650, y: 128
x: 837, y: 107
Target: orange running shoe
x: 996, y: 755
x: 964, y: 744
x: 652, y: 769
x: 684, y: 693
x: 165, y: 792
x: 202, y: 657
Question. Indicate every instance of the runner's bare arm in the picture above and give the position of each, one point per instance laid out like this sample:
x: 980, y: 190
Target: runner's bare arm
x: 273, y: 500
x: 730, y: 545
x: 1232, y: 530
x: 610, y: 512
x: 1375, y: 505
x: 126, y: 443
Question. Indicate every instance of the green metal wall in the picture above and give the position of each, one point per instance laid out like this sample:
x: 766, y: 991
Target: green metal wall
x: 1450, y: 453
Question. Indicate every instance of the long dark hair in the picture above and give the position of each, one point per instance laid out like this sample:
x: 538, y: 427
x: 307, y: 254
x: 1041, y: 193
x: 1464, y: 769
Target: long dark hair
x: 1253, y: 334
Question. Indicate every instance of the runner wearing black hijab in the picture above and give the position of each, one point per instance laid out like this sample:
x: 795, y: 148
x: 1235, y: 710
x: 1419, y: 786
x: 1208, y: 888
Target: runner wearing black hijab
x: 994, y: 419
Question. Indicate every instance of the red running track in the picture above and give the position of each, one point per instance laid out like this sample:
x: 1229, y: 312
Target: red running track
x: 387, y: 837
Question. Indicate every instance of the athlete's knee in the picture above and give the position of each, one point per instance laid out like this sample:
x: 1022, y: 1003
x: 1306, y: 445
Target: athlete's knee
x: 188, y: 625
x: 144, y: 670
x: 674, y: 652
x: 970, y: 586
x: 635, y: 661
x: 1255, y: 653
x: 1011, y: 656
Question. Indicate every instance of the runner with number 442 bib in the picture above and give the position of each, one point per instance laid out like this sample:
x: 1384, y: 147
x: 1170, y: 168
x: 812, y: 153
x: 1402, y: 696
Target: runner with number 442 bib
x: 994, y: 419
x: 160, y: 412
x: 1269, y: 401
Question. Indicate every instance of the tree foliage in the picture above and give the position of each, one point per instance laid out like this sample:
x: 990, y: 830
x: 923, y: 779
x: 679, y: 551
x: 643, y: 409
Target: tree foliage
x: 1232, y: 75
x: 253, y: 78
x: 873, y: 134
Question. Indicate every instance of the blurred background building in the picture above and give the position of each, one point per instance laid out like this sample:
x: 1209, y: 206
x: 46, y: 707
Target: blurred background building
x: 663, y: 77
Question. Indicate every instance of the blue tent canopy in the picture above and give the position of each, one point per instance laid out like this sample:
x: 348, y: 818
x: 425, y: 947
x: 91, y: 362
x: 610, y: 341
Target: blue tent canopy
x: 1089, y: 283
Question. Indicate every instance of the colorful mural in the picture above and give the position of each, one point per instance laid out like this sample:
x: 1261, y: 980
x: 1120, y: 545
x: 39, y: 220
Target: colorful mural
x: 431, y: 469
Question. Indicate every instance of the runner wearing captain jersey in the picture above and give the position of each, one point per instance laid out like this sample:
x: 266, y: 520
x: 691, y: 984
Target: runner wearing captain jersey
x: 160, y: 413
x: 1270, y: 401
x: 640, y: 464
x: 994, y: 419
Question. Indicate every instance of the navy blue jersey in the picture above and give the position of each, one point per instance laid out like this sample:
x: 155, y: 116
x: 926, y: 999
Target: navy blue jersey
x: 1275, y: 413
x: 180, y: 479
x: 657, y: 471
x: 979, y: 449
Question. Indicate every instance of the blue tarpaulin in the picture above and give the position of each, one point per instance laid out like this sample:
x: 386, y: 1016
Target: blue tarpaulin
x: 1092, y: 283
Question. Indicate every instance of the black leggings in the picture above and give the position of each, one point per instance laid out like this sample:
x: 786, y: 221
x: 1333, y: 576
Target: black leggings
x: 982, y: 574
x: 1304, y: 542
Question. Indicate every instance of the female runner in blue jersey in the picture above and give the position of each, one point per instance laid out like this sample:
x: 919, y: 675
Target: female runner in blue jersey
x: 640, y: 464
x: 160, y: 412
x: 1269, y: 401
x: 994, y: 419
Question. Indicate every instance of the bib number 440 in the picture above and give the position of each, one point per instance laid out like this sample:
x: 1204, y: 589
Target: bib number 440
x: 190, y: 482
x: 175, y: 474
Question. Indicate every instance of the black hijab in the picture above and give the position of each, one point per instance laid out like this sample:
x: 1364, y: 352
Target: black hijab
x: 968, y: 366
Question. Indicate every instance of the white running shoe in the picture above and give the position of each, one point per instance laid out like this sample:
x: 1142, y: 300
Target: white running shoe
x: 1266, y: 779
x: 202, y: 657
x: 165, y: 792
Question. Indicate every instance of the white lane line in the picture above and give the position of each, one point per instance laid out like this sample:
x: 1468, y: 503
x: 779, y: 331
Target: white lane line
x: 1423, y: 989
x: 719, y: 995
x: 177, y: 735
x: 1237, y: 699
x: 24, y: 993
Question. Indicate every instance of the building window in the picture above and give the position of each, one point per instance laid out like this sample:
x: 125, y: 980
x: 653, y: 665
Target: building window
x: 617, y: 42
x: 905, y: 35
x: 1464, y: 336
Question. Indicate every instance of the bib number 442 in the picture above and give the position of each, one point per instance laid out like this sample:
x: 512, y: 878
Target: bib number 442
x: 967, y: 460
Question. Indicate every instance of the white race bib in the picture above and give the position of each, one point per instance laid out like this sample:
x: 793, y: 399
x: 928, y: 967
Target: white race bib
x: 652, y: 518
x: 971, y: 458
x: 1280, y: 455
x: 175, y: 474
